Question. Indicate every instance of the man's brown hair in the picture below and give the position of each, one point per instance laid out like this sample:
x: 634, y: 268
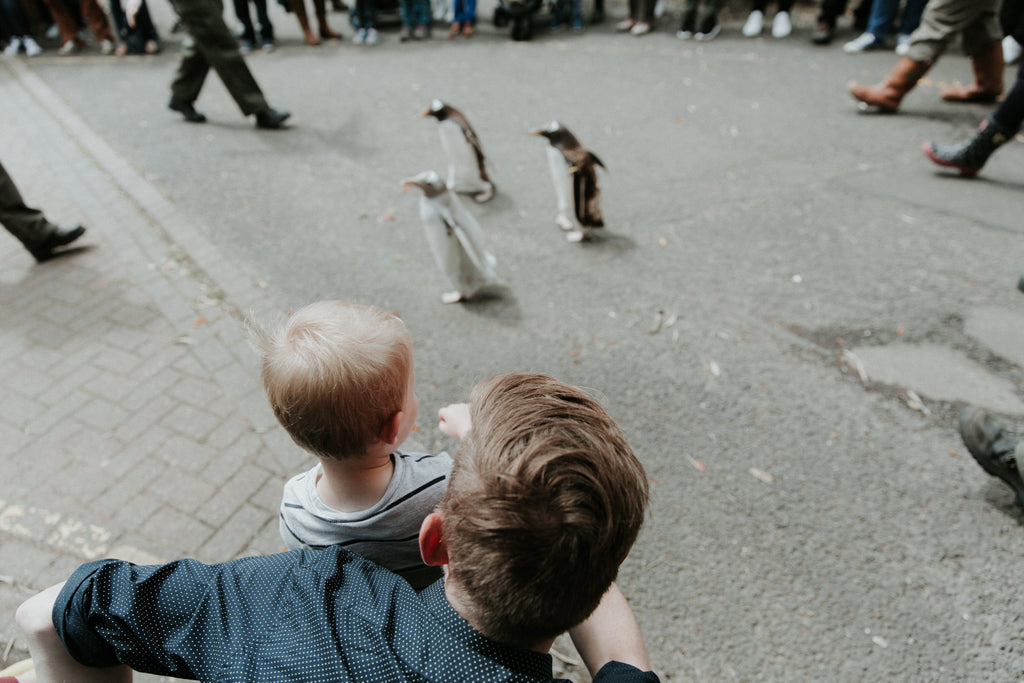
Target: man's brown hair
x: 335, y: 372
x: 545, y: 500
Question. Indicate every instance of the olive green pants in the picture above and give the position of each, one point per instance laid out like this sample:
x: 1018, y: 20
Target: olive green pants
x: 211, y: 45
x: 27, y: 224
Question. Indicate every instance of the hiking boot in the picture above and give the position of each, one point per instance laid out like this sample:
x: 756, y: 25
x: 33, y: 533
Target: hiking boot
x: 992, y: 447
x: 970, y: 155
x: 988, y: 67
x: 888, y: 94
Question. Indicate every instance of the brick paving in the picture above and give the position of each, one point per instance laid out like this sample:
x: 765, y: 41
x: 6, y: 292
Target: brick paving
x: 132, y: 422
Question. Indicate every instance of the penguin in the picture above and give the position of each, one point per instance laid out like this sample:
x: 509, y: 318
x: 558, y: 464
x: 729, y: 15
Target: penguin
x: 455, y: 238
x: 574, y: 173
x: 467, y: 166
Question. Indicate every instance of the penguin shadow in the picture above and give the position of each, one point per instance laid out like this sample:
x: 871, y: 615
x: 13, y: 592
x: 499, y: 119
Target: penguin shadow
x: 997, y: 495
x: 68, y: 251
x: 604, y: 240
x: 496, y: 303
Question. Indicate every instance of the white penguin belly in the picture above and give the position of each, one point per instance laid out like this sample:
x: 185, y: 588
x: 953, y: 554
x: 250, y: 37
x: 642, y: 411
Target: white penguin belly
x: 458, y: 244
x: 562, y: 180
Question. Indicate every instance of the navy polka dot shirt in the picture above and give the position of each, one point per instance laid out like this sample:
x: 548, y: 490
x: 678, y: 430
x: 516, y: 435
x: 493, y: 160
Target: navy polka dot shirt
x: 306, y: 615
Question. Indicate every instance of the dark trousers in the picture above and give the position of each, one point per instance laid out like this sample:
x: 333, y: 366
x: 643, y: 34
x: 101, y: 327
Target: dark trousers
x: 245, y: 18
x: 1010, y: 112
x: 27, y: 224
x: 831, y: 10
x: 209, y: 44
x: 134, y: 37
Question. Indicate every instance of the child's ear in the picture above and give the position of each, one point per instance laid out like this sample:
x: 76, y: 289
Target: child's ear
x: 389, y: 432
x: 433, y: 548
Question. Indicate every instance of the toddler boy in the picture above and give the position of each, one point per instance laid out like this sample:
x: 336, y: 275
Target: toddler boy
x: 339, y: 377
x: 544, y: 502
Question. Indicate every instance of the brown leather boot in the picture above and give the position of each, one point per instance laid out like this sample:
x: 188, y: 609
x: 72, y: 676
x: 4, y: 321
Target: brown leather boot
x: 988, y: 69
x: 321, y: 19
x: 299, y: 8
x: 888, y: 94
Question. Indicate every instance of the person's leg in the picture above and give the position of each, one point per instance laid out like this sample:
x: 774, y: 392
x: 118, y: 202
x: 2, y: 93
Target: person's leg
x: 326, y: 32
x: 911, y: 17
x: 266, y: 27
x: 968, y: 157
x: 214, y: 47
x: 883, y: 14
x: 248, y: 36
x: 825, y: 31
x: 1010, y: 112
x: 49, y: 657
x: 97, y: 21
x: 25, y: 223
x: 299, y: 9
x: 65, y: 24
x: 982, y: 41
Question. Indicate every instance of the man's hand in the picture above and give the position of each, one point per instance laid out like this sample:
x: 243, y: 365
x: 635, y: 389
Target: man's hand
x: 131, y: 8
x: 455, y: 420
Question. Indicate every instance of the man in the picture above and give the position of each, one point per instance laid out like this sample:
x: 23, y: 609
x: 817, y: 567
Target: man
x: 41, y: 237
x: 210, y: 44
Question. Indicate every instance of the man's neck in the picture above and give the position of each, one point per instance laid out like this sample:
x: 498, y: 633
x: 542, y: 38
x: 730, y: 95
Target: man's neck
x: 463, y: 609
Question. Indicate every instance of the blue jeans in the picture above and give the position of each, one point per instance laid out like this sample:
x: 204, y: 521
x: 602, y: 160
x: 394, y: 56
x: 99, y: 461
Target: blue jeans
x: 414, y: 12
x: 883, y: 13
x: 465, y: 12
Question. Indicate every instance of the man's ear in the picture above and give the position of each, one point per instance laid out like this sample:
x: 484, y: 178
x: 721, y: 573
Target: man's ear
x: 389, y: 432
x: 433, y: 547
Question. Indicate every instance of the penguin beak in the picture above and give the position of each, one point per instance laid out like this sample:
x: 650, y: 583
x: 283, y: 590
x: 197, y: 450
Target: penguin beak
x: 407, y: 183
x: 537, y: 132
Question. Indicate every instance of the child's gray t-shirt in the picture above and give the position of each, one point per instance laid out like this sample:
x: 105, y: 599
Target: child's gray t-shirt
x: 386, y: 533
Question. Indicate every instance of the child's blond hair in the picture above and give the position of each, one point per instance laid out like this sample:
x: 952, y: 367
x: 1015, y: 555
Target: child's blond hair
x: 544, y: 502
x: 335, y: 373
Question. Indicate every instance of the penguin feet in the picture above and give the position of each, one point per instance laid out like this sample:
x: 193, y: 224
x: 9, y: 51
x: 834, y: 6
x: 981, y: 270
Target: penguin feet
x: 564, y: 222
x: 575, y: 236
x: 484, y: 195
x: 451, y: 297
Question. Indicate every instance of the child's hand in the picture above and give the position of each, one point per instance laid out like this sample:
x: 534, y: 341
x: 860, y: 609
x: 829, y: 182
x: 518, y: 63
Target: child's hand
x: 454, y: 420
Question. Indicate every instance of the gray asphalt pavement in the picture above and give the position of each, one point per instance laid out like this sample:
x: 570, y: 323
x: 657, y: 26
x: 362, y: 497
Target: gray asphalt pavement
x: 772, y: 259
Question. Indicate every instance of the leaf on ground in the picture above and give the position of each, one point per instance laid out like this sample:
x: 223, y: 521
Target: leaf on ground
x: 762, y: 475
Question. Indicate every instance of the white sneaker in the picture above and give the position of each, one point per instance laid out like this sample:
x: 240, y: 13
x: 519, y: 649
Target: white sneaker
x: 53, y: 33
x: 864, y: 41
x: 106, y: 47
x: 32, y: 48
x: 360, y: 37
x: 903, y: 44
x: 781, y: 25
x: 12, y: 48
x: 372, y: 37
x: 1011, y: 50
x: 68, y: 48
x: 754, y: 25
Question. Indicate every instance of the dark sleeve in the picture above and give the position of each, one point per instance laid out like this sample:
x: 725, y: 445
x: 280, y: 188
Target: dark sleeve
x: 183, y: 619
x: 617, y: 672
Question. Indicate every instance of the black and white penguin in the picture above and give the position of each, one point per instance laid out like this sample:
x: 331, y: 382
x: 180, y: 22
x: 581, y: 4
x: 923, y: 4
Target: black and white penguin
x: 467, y: 165
x: 574, y: 173
x: 455, y: 238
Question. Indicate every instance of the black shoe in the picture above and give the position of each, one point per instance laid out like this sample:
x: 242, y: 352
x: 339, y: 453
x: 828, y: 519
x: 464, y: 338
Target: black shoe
x: 992, y: 447
x: 186, y: 109
x: 689, y: 25
x: 709, y: 28
x: 56, y: 239
x: 271, y: 119
x: 823, y: 34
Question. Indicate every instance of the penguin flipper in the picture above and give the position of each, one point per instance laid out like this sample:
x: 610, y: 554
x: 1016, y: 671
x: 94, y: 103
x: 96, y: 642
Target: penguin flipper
x: 585, y: 197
